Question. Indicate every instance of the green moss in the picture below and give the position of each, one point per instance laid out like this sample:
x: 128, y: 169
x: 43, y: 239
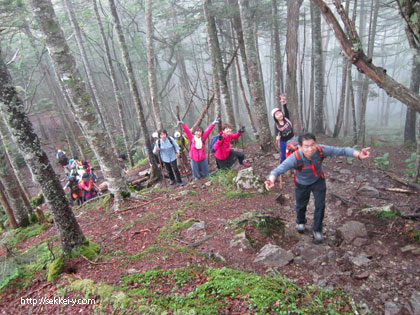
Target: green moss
x: 386, y: 215
x: 224, y: 178
x: 54, y: 269
x: 12, y: 237
x: 37, y: 200
x: 174, y: 229
x: 125, y: 194
x: 90, y: 251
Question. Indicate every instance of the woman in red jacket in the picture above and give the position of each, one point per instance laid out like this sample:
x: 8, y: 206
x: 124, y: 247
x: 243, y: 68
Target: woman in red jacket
x: 225, y: 157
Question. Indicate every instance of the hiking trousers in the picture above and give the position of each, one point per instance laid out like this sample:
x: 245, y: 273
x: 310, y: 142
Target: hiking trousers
x: 200, y: 168
x: 172, y: 168
x: 303, y: 193
x: 231, y: 159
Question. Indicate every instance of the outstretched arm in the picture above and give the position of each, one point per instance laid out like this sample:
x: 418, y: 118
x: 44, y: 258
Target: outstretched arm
x: 362, y: 154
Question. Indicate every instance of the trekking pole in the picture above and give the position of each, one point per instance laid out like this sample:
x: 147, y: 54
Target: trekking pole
x: 161, y: 168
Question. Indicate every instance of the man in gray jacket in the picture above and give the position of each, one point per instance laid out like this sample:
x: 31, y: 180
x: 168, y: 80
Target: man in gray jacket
x: 307, y: 162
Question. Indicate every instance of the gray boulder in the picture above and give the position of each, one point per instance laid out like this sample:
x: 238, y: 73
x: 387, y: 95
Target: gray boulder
x: 275, y: 256
x: 246, y: 179
x: 351, y: 230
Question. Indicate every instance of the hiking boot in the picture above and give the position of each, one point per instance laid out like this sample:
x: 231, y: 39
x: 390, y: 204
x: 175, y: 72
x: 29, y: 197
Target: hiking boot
x: 318, y: 238
x: 181, y: 184
x: 300, y: 228
x: 245, y: 164
x: 171, y: 182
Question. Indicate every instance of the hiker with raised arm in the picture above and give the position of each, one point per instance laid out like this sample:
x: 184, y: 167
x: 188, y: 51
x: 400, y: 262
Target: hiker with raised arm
x: 169, y: 151
x: 283, y: 127
x: 197, y: 139
x: 225, y: 157
x: 307, y: 163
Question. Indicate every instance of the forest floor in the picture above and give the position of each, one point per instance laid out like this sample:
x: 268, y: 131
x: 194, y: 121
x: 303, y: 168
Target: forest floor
x: 379, y: 269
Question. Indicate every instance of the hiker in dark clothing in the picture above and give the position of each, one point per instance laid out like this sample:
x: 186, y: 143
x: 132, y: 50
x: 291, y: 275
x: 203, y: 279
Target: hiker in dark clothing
x: 307, y: 162
x: 63, y: 160
x: 283, y: 128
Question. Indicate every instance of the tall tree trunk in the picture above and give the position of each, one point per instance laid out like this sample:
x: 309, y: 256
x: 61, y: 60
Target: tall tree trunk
x: 85, y: 113
x: 411, y: 115
x: 255, y: 76
x: 151, y: 64
x: 365, y: 84
x: 340, y: 112
x: 237, y: 24
x: 278, y: 69
x: 12, y: 109
x: 20, y: 211
x: 217, y: 56
x: 116, y: 89
x: 133, y: 88
x: 6, y: 137
x: 292, y: 48
x: 318, y: 127
x: 96, y: 99
x: 6, y: 206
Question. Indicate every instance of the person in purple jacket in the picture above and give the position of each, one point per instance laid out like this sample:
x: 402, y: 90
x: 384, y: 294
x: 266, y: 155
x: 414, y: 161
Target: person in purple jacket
x: 197, y: 139
x: 307, y: 162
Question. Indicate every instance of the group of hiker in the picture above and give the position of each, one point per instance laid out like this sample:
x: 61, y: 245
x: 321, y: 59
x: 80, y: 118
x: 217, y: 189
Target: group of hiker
x: 170, y: 151
x: 81, y: 179
x: 303, y: 155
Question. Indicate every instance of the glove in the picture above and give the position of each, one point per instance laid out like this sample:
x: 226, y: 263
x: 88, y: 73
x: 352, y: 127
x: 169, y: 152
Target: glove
x: 180, y: 122
x: 216, y: 121
x: 220, y: 138
x: 241, y: 130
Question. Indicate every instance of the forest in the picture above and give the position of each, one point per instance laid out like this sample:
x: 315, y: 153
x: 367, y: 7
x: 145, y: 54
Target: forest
x: 98, y: 79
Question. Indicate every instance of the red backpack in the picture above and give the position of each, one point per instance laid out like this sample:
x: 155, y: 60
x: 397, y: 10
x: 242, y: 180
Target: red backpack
x: 291, y: 147
x: 300, y: 162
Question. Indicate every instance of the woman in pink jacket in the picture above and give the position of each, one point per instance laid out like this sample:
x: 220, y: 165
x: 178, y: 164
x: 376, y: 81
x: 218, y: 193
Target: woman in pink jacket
x: 225, y: 157
x: 197, y: 139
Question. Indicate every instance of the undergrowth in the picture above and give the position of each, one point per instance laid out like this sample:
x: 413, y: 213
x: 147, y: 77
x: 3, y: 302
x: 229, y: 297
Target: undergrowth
x: 194, y: 290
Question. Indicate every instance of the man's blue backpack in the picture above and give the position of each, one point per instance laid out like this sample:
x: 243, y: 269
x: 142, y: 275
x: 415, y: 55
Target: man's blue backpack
x: 212, y: 142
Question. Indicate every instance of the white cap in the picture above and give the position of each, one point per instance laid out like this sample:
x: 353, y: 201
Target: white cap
x: 177, y: 134
x: 155, y: 135
x: 274, y: 111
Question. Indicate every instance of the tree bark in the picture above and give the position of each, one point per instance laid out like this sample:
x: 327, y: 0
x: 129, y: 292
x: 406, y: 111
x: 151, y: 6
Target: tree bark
x: 43, y: 174
x: 291, y: 52
x: 151, y: 64
x: 6, y: 206
x: 255, y: 76
x: 11, y: 185
x: 278, y: 69
x: 319, y: 123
